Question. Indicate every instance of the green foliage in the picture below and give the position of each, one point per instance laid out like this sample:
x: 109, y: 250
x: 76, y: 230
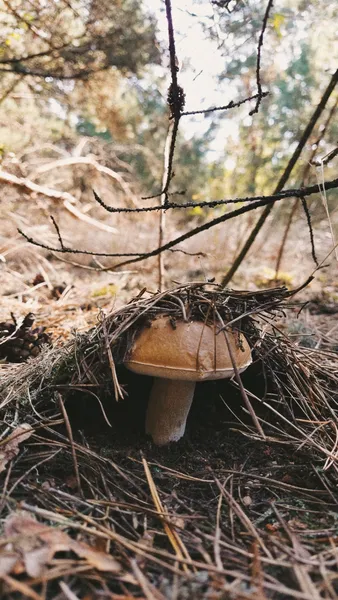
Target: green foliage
x: 292, y: 74
x: 70, y: 41
x: 91, y: 69
x: 66, y: 64
x: 87, y: 128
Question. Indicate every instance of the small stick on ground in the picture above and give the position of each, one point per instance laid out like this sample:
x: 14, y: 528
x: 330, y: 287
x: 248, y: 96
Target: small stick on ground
x: 71, y: 441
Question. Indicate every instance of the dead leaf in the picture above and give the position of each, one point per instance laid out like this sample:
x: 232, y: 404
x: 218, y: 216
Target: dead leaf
x: 98, y: 559
x: 7, y: 562
x: 35, y: 560
x: 296, y: 524
x: 71, y: 482
x: 178, y: 522
x: 33, y: 545
x: 9, y: 447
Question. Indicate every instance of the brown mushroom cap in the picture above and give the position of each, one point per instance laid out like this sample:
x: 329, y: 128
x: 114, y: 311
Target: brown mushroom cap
x: 187, y: 351
x: 178, y: 354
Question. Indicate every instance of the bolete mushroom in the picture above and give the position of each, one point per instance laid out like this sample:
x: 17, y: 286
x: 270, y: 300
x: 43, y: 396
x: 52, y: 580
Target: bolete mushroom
x: 179, y: 354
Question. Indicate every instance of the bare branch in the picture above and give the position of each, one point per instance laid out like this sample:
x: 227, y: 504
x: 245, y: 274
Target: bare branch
x: 209, y: 224
x: 69, y: 201
x: 81, y: 74
x: 163, y: 200
x: 48, y: 52
x: 87, y: 160
x: 225, y: 217
x: 291, y: 193
x: 10, y: 89
x: 231, y: 104
x: 65, y: 249
x: 259, y: 50
x: 307, y: 167
x: 175, y: 101
x: 62, y: 246
x: 284, y: 178
x: 308, y: 218
x: 326, y: 159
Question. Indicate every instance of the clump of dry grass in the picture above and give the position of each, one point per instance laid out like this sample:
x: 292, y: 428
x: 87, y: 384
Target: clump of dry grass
x: 296, y: 376
x: 239, y: 512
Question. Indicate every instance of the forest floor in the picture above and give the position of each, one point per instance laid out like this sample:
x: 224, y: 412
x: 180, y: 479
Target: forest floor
x: 220, y: 514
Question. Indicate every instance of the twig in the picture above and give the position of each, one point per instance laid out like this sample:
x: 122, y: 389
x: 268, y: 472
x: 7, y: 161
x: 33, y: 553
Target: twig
x: 86, y: 160
x: 81, y: 74
x: 21, y: 587
x: 290, y: 193
x: 284, y: 178
x: 142, y: 256
x: 117, y: 388
x: 149, y: 591
x: 217, y: 535
x: 11, y: 89
x: 73, y: 251
x: 239, y: 381
x: 171, y: 38
x: 186, y: 253
x: 29, y: 24
x: 71, y: 441
x: 284, y: 238
x: 87, y: 219
x: 308, y: 218
x: 22, y: 59
x: 33, y: 187
x: 58, y: 232
x: 326, y: 159
x: 257, y: 574
x: 327, y: 210
x: 67, y: 591
x: 176, y: 104
x: 228, y: 106
x: 175, y: 540
x: 163, y: 202
x: 244, y: 519
x: 68, y: 199
x: 259, y: 50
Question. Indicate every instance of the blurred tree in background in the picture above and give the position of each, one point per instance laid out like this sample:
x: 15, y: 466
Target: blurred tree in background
x: 98, y: 70
x: 68, y: 41
x: 62, y: 60
x: 90, y: 69
x: 298, y: 56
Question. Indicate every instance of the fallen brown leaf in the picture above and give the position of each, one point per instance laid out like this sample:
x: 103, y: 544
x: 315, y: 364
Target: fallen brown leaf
x: 7, y: 562
x: 9, y: 447
x: 32, y: 546
x: 296, y: 524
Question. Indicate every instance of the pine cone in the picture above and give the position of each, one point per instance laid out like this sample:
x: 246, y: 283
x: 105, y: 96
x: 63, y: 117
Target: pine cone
x: 18, y: 343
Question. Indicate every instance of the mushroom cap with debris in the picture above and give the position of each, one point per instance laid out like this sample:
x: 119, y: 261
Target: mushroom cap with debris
x: 189, y: 351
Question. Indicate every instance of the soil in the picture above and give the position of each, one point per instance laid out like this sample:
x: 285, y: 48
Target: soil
x: 258, y: 519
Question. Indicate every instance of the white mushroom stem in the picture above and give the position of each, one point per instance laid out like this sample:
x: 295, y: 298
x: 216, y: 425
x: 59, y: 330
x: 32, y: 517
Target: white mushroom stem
x: 169, y: 405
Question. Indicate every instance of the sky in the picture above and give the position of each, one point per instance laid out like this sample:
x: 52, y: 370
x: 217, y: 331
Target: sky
x: 200, y: 62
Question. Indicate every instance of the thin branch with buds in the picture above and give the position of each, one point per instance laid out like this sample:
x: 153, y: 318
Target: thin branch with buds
x: 259, y: 51
x: 137, y: 257
x: 291, y: 193
x: 228, y: 106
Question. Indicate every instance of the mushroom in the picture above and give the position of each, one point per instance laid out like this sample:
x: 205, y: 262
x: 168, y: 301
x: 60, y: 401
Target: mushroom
x: 179, y: 354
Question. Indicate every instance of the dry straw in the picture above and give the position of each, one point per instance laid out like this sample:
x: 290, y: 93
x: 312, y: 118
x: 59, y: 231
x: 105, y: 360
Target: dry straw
x: 236, y: 516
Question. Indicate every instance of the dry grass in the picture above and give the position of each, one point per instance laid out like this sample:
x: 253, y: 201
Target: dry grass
x: 225, y: 513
